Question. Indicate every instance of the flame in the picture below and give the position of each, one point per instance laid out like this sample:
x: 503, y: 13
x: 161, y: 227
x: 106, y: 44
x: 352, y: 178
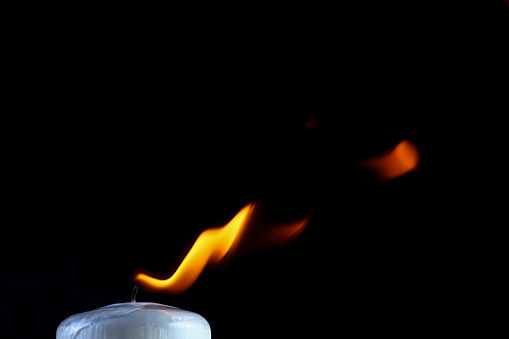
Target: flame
x: 399, y: 160
x: 213, y: 244
x: 210, y: 247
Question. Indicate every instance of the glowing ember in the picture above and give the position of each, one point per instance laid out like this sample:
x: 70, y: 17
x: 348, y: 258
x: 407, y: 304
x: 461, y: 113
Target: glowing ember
x: 399, y: 160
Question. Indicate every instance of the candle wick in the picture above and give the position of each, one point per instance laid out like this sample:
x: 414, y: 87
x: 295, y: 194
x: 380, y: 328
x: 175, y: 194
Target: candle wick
x: 133, y: 295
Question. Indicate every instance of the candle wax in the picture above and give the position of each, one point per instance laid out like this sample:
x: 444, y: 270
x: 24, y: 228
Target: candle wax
x: 135, y: 320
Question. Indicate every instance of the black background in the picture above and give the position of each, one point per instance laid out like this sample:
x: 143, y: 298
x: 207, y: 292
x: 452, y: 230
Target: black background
x: 130, y: 131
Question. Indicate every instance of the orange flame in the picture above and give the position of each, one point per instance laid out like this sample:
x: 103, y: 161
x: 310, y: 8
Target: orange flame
x: 274, y: 236
x: 210, y: 247
x: 399, y: 160
x: 213, y: 244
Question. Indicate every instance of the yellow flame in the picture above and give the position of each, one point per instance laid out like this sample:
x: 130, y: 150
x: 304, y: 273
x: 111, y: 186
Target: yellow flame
x: 210, y: 247
x: 399, y: 160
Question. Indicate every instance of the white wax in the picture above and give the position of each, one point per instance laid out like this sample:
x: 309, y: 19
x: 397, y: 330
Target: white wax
x: 135, y: 321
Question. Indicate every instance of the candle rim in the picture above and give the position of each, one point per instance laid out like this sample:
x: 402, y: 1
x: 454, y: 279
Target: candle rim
x: 141, y: 303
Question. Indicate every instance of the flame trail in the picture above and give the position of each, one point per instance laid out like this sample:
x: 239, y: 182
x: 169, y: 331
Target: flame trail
x: 399, y: 160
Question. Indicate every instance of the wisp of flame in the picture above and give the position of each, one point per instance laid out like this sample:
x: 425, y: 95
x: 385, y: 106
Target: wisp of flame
x: 213, y: 244
x: 210, y: 247
x: 399, y: 160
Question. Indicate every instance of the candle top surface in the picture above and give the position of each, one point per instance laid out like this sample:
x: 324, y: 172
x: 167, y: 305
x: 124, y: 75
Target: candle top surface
x: 129, y: 315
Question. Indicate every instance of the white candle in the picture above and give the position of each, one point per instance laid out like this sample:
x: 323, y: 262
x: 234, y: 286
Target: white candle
x: 134, y: 320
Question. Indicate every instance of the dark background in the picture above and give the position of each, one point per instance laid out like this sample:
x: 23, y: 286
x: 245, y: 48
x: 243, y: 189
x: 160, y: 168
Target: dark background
x: 130, y: 131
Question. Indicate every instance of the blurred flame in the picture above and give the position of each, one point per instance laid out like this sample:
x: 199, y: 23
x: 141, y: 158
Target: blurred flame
x: 213, y: 244
x: 399, y: 160
x: 310, y: 124
x: 278, y: 235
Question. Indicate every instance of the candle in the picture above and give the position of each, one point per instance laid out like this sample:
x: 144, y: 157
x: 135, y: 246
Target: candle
x: 135, y: 320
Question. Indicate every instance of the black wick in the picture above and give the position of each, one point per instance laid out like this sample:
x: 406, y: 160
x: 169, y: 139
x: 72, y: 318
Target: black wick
x: 133, y: 295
